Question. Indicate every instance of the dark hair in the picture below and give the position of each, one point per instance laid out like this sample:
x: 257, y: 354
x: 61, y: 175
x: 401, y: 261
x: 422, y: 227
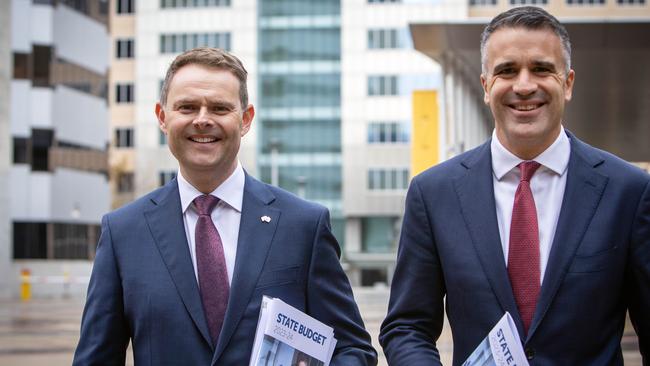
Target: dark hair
x: 208, y: 57
x: 528, y: 17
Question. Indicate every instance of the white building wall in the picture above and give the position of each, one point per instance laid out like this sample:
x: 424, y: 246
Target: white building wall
x: 358, y: 62
x: 87, y: 48
x: 240, y: 20
x: 20, y: 31
x: 40, y: 21
x: 80, y: 118
x: 19, y: 109
x: 66, y: 195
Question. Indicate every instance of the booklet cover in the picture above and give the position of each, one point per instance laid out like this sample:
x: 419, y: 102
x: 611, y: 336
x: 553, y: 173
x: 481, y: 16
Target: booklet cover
x: 501, y: 347
x: 286, y: 336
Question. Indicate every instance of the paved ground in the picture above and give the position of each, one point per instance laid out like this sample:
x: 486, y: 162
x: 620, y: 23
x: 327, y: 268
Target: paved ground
x: 45, y: 331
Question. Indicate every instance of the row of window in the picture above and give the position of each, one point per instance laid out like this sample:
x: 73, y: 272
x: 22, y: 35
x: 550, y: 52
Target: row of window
x: 314, y: 90
x: 125, y: 48
x: 192, y: 3
x: 126, y: 180
x: 386, y: 38
x: 388, y: 132
x: 125, y: 6
x: 124, y: 93
x: 43, y: 240
x: 181, y: 42
x: 383, y: 85
x: 124, y: 137
x: 388, y: 179
x: 545, y: 2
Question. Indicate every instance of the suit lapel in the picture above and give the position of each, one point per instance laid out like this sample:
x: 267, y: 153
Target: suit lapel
x: 255, y: 237
x: 165, y: 222
x: 475, y: 192
x: 584, y: 189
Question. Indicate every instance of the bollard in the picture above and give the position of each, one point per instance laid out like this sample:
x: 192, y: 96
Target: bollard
x: 25, y: 284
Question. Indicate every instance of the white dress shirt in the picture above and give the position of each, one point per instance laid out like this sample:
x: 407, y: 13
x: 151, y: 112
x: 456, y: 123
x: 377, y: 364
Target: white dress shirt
x: 547, y: 184
x: 226, y: 216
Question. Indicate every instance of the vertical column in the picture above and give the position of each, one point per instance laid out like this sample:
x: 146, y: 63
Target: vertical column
x: 353, y: 245
x: 5, y: 149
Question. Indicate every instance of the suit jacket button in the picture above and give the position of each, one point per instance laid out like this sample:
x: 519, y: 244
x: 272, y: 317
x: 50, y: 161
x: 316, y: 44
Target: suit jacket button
x: 530, y: 353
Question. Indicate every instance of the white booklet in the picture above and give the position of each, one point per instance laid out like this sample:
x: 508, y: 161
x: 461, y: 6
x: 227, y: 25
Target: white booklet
x: 501, y: 347
x: 286, y: 336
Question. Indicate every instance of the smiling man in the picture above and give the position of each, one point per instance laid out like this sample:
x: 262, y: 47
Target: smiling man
x: 180, y: 272
x: 533, y: 222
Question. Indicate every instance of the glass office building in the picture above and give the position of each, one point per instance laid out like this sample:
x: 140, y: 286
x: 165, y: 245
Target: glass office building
x: 299, y: 99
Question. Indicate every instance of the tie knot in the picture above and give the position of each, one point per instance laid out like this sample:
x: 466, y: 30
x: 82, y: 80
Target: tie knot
x: 205, y: 204
x: 528, y: 168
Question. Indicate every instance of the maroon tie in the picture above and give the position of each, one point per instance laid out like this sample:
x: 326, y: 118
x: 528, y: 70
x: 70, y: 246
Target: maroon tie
x: 211, y: 266
x: 523, y: 255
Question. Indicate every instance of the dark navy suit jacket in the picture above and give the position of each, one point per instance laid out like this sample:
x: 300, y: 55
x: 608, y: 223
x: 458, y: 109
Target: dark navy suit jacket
x: 450, y: 254
x: 143, y: 286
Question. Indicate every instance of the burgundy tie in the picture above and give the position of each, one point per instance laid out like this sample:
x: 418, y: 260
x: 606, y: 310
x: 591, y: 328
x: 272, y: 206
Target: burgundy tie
x: 523, y: 254
x: 211, y: 266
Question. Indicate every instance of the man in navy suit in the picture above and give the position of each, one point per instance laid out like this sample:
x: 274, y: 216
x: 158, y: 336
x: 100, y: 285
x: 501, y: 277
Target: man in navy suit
x: 184, y: 283
x: 569, y: 268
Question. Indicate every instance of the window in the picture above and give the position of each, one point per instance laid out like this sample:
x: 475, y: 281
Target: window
x: 388, y: 179
x: 388, y: 132
x: 192, y: 3
x: 124, y: 93
x: 379, y: 234
x: 42, y: 140
x: 630, y: 2
x: 30, y: 240
x: 383, y: 1
x: 124, y: 48
x: 482, y: 2
x: 68, y: 241
x: 74, y: 241
x: 125, y: 6
x: 385, y: 38
x: 166, y: 177
x: 177, y: 43
x: 124, y: 137
x: 528, y: 2
x: 21, y: 150
x: 125, y: 183
x: 382, y: 85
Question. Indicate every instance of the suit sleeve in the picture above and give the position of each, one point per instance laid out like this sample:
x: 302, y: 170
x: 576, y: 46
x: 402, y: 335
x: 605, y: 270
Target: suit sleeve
x: 639, y: 275
x: 104, y: 332
x: 330, y: 299
x: 415, y: 311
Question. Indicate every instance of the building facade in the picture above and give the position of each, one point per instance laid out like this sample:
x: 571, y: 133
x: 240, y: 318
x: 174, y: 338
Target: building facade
x: 333, y: 83
x: 57, y: 186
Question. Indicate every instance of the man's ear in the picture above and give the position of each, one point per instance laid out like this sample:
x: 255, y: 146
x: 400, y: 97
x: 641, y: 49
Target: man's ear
x: 568, y: 85
x: 486, y: 92
x: 160, y: 115
x: 247, y: 119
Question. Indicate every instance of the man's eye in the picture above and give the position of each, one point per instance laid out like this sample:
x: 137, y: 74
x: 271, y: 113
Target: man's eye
x: 506, y: 71
x: 186, y: 108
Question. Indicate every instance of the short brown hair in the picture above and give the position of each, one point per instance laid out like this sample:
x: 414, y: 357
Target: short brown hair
x: 208, y: 57
x: 527, y: 17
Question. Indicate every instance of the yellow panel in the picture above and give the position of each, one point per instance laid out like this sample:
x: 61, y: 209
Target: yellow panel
x: 424, y: 135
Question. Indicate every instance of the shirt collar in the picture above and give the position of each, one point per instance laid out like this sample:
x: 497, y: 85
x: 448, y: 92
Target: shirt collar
x: 231, y: 191
x: 554, y: 158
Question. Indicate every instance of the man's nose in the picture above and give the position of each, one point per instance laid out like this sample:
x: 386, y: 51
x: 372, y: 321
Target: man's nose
x: 525, y: 83
x: 203, y: 120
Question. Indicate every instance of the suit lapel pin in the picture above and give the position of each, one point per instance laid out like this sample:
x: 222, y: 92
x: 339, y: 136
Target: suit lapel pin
x: 265, y: 219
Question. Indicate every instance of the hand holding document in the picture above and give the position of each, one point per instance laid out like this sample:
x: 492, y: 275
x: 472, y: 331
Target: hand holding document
x: 501, y: 347
x: 286, y: 336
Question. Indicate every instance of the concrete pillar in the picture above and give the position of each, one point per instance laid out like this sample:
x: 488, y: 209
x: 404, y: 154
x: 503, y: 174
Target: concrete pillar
x: 6, y: 65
